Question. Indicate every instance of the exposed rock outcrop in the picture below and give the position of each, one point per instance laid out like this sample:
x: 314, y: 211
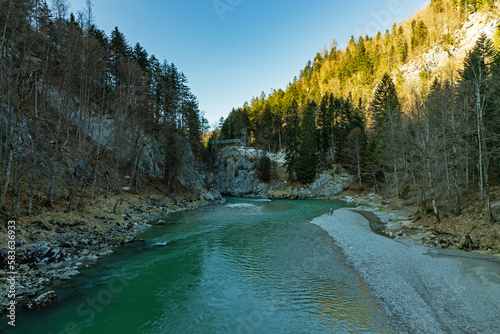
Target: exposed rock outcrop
x: 237, y: 175
x: 325, y: 185
x: 192, y: 179
x: 443, y: 53
x: 150, y: 156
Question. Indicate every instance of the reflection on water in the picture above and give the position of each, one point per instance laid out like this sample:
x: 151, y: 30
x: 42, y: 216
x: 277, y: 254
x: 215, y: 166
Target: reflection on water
x: 248, y: 266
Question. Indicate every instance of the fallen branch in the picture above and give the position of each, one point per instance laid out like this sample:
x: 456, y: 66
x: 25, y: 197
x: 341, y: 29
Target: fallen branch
x: 120, y: 201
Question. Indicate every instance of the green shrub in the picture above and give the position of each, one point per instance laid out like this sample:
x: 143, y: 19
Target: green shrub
x: 429, y: 209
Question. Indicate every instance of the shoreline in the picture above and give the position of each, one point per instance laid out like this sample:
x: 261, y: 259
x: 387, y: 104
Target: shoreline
x: 421, y: 289
x: 53, y: 248
x: 395, y: 220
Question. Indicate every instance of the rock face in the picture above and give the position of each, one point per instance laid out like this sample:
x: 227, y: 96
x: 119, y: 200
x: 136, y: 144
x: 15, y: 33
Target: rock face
x: 192, y: 179
x: 150, y: 157
x: 236, y: 173
x: 439, y: 56
x: 326, y: 184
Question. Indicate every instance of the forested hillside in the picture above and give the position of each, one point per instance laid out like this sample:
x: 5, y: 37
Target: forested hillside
x: 433, y: 141
x: 80, y: 110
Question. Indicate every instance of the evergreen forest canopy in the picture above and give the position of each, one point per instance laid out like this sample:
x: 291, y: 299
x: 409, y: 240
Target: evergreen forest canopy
x: 433, y: 141
x: 79, y: 107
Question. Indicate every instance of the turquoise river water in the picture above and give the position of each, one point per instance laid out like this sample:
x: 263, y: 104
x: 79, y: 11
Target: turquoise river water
x: 247, y: 266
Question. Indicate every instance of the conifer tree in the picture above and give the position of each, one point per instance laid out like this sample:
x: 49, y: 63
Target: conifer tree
x: 386, y: 111
x: 324, y: 123
x: 120, y: 52
x: 385, y: 106
x: 236, y: 125
x: 307, y: 158
x: 292, y: 130
x: 194, y: 123
x: 264, y: 168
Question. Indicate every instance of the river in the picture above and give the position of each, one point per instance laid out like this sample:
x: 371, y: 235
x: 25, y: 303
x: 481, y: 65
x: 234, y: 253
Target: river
x: 247, y: 266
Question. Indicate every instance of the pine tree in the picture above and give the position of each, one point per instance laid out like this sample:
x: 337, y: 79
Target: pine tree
x: 120, y: 52
x: 307, y: 158
x: 385, y: 106
x: 373, y: 169
x: 419, y: 33
x: 492, y: 117
x: 335, y: 108
x: 194, y: 123
x: 361, y: 57
x: 386, y: 111
x: 324, y: 124
x: 236, y: 125
x: 141, y: 56
x: 354, y: 143
x: 292, y: 130
x: 264, y: 168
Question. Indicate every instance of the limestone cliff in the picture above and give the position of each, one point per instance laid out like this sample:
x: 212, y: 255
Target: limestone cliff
x: 442, y: 55
x: 326, y: 184
x: 237, y: 175
x: 106, y: 132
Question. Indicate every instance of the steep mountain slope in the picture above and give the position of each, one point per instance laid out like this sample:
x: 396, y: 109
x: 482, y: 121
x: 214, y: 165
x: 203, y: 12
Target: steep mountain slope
x: 444, y: 55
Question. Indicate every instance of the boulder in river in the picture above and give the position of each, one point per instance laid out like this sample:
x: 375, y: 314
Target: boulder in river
x: 42, y: 300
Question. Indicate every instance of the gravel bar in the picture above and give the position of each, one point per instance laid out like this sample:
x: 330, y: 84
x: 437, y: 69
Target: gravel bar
x: 421, y: 289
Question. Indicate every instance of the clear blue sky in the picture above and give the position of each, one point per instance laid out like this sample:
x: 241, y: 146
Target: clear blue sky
x: 232, y: 50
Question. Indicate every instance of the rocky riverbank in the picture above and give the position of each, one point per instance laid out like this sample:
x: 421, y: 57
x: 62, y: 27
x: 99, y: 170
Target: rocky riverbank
x: 470, y: 231
x: 54, y: 246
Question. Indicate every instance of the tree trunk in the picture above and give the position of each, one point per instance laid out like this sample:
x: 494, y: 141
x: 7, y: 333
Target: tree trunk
x: 9, y: 148
x: 96, y: 165
x: 16, y: 206
x: 75, y: 188
x: 433, y: 191
x: 359, y: 168
x: 480, y: 143
x: 50, y: 196
x: 32, y: 186
x: 455, y: 160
